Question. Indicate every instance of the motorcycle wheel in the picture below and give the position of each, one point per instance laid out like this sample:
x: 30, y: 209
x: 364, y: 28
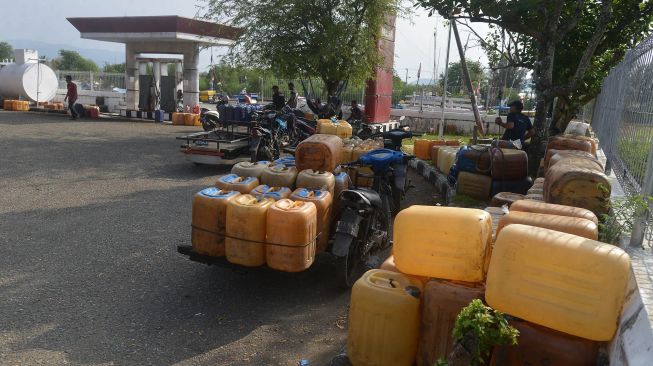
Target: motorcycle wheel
x: 365, y: 133
x: 209, y: 124
x: 350, y: 267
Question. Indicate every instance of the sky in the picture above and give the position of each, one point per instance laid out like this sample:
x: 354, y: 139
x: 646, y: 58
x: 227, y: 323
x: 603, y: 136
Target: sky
x: 38, y: 22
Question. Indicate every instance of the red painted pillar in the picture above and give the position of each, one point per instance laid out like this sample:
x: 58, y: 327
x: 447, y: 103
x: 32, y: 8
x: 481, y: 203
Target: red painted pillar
x: 378, y: 92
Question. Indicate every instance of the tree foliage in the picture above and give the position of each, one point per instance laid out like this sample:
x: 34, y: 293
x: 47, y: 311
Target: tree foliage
x: 115, y: 68
x: 565, y: 43
x: 6, y: 51
x: 331, y: 40
x: 455, y: 77
x: 73, y: 61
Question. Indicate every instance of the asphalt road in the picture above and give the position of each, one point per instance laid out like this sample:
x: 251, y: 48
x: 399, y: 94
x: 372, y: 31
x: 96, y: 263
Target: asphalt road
x: 90, y: 216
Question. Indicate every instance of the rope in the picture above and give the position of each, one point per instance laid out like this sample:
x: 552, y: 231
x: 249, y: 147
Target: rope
x: 224, y: 236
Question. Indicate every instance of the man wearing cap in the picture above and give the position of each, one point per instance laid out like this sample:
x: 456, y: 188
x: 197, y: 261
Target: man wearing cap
x: 518, y: 126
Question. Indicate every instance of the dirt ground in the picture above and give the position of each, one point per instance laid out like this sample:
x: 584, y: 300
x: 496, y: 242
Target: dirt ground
x: 91, y: 213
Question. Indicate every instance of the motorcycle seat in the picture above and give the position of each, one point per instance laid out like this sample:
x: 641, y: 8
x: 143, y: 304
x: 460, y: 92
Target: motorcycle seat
x: 369, y: 196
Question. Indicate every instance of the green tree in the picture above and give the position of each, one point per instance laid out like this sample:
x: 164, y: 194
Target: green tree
x: 6, y: 51
x: 455, y: 78
x: 563, y: 42
x: 73, y: 61
x: 114, y: 68
x: 334, y: 41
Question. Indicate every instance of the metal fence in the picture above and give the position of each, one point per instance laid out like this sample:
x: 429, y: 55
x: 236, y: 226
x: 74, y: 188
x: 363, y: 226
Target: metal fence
x: 622, y: 118
x: 94, y: 81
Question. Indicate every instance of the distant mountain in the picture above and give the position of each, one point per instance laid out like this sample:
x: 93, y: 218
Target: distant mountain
x: 51, y: 50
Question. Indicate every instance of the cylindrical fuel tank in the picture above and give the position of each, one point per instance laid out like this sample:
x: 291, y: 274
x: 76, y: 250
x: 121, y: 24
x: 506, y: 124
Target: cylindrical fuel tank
x: 28, y: 81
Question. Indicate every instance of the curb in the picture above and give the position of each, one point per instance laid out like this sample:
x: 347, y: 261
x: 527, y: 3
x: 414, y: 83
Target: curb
x: 435, y: 177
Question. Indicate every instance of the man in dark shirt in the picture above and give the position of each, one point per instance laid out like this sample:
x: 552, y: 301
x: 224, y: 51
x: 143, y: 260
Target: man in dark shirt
x: 356, y: 113
x: 71, y: 96
x: 278, y: 99
x: 518, y: 126
x: 292, y: 97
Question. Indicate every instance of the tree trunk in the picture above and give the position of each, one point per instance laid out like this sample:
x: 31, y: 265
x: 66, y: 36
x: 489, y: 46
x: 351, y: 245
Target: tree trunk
x: 563, y: 114
x: 544, y: 76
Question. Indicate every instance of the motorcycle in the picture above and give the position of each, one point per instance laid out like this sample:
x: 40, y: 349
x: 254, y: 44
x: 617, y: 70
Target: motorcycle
x: 364, y: 227
x: 211, y: 119
x: 264, y: 142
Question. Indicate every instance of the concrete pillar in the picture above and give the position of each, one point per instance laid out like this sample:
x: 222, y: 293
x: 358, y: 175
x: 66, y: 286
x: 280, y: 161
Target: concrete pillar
x: 132, y: 76
x: 156, y: 71
x: 191, y: 76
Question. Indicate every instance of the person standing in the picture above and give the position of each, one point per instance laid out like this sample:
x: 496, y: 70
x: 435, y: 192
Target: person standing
x: 278, y: 100
x: 71, y: 96
x: 292, y: 98
x: 518, y: 126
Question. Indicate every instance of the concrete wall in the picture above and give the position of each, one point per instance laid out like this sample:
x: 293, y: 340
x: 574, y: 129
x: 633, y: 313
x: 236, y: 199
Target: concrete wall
x: 461, y: 122
x: 114, y: 101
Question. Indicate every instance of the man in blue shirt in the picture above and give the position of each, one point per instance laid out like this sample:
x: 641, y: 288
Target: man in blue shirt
x: 518, y: 126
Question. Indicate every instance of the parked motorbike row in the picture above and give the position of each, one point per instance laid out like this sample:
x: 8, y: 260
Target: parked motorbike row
x: 361, y: 219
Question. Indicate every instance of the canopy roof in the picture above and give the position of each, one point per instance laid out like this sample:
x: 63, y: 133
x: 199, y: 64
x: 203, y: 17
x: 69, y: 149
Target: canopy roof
x: 155, y: 28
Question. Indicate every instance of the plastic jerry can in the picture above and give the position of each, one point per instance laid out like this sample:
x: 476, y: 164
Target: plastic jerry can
x: 341, y: 128
x: 572, y: 183
x: 310, y: 178
x: 436, y: 143
x: 319, y: 152
x: 389, y: 265
x: 505, y: 198
x: 383, y: 319
x: 474, y: 159
x: 422, y: 149
x: 323, y: 201
x: 476, y: 186
x: 520, y: 186
x: 540, y: 346
x: 446, y: 158
x: 209, y: 220
x: 434, y: 155
x: 534, y: 197
x: 285, y: 161
x: 442, y: 242
x: 189, y: 119
x: 279, y: 176
x: 177, y: 118
x: 232, y: 182
x: 569, y: 143
x: 509, y: 164
x: 552, y: 209
x: 275, y: 193
x: 250, y: 169
x: 561, y: 281
x: 455, y: 143
x: 93, y: 112
x: 565, y: 224
x: 291, y: 230
x: 553, y: 157
x: 347, y: 152
x: 441, y: 303
x: 246, y: 225
x: 503, y: 144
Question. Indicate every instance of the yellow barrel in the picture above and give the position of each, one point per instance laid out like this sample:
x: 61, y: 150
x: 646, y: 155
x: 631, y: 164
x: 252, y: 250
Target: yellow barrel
x: 275, y: 193
x: 250, y: 169
x: 291, y: 231
x: 422, y: 149
x: 13, y: 105
x: 6, y: 104
x: 360, y: 150
x: 232, y: 182
x: 442, y: 242
x: 565, y: 224
x: 279, y: 176
x: 384, y: 319
x: 316, y: 179
x: 552, y: 209
x: 196, y: 120
x: 209, y: 220
x: 246, y: 225
x: 323, y: 202
x: 561, y: 281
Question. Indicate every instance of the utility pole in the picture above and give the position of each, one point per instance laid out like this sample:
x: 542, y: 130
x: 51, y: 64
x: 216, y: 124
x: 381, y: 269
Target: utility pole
x: 446, y: 77
x: 468, y: 82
